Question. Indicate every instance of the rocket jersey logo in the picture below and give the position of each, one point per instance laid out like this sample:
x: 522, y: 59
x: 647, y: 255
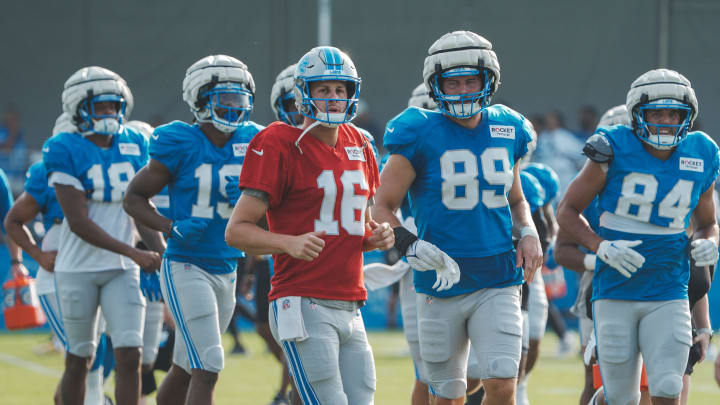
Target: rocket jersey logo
x: 502, y: 131
x: 693, y: 165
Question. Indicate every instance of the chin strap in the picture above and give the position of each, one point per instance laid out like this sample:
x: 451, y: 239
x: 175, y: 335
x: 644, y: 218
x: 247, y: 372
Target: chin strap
x: 311, y: 126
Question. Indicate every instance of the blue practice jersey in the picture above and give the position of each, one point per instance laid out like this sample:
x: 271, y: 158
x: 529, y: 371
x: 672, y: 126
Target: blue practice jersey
x: 459, y: 196
x: 36, y: 185
x: 661, y: 193
x: 533, y: 191
x: 548, y: 180
x: 104, y: 173
x: 6, y: 198
x: 197, y: 188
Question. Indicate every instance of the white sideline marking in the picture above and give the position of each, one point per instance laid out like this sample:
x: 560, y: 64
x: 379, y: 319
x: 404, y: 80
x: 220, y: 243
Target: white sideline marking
x: 29, y: 365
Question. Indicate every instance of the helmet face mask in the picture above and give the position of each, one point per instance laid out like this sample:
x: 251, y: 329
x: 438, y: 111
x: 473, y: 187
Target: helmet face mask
x: 93, y: 116
x: 323, y: 64
x: 463, y: 105
x: 460, y: 54
x: 228, y: 105
x: 660, y: 135
x: 287, y: 111
x: 657, y: 90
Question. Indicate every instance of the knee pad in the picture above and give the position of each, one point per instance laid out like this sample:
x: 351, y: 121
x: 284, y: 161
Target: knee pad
x: 213, y: 359
x: 503, y: 366
x: 669, y: 386
x: 448, y: 389
x: 83, y: 349
x: 127, y: 339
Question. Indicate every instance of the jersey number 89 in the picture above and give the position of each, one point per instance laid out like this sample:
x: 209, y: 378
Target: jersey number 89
x: 461, y: 187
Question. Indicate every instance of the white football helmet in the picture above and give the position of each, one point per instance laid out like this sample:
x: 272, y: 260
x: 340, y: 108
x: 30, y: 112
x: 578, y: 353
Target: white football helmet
x: 617, y: 115
x: 89, y: 86
x: 282, y: 94
x: 219, y: 89
x: 141, y: 126
x: 661, y: 89
x: 461, y: 53
x: 326, y: 63
x: 420, y: 98
x: 64, y: 123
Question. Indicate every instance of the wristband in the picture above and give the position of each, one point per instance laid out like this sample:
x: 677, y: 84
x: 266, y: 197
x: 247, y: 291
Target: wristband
x: 403, y: 239
x: 15, y: 261
x: 589, y: 262
x: 704, y: 330
x: 529, y: 231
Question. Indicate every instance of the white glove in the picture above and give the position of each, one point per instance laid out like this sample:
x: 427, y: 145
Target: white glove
x: 424, y: 256
x: 619, y: 255
x: 704, y: 252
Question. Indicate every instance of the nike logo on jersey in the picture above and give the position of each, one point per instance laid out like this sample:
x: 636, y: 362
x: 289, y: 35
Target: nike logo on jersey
x: 693, y: 165
x: 391, y: 130
x: 46, y: 149
x: 259, y: 152
x: 502, y: 131
x: 154, y: 136
x: 175, y: 231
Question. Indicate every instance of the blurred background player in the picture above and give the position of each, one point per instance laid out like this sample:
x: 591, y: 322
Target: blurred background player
x: 650, y: 180
x: 317, y: 286
x: 434, y: 156
x: 150, y: 287
x: 39, y: 199
x: 569, y: 254
x: 199, y: 270
x: 90, y: 169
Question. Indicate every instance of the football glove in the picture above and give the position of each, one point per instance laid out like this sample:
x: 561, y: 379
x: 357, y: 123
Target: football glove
x: 189, y: 230
x: 150, y: 285
x: 619, y: 255
x: 424, y: 256
x: 232, y: 189
x: 704, y: 252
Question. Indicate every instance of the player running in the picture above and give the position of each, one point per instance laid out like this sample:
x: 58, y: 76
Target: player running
x: 97, y: 265
x: 314, y: 185
x: 650, y: 178
x: 199, y: 270
x: 467, y: 209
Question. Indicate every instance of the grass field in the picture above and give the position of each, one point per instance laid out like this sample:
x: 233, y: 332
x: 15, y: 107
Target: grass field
x: 28, y: 378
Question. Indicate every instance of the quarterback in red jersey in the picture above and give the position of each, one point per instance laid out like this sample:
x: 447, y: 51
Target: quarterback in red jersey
x: 315, y: 191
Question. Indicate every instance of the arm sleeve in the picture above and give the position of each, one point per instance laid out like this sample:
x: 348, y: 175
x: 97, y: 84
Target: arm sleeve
x: 266, y: 171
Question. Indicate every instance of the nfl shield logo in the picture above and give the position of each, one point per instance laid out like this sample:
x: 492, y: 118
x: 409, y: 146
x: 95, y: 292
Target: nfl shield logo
x: 286, y: 303
x: 428, y: 299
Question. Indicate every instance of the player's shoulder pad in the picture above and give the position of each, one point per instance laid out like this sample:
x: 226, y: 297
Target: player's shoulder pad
x: 499, y: 114
x: 702, y: 141
x: 252, y: 127
x: 278, y: 135
x: 175, y: 134
x: 363, y: 131
x: 598, y: 148
x: 409, y: 125
x: 131, y: 134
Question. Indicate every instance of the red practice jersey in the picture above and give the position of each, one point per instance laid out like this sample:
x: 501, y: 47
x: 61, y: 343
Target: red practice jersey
x: 319, y: 189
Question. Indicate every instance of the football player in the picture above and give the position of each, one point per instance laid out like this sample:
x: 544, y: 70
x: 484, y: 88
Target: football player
x: 199, y: 270
x: 39, y: 198
x: 314, y: 184
x: 459, y: 167
x: 17, y: 268
x: 650, y: 179
x: 97, y: 264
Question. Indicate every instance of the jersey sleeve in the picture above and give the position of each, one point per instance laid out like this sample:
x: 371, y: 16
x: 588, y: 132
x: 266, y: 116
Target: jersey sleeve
x: 401, y: 136
x: 6, y: 198
x: 36, y: 184
x: 265, y: 166
x: 166, y: 146
x: 58, y: 157
x: 714, y: 163
x: 525, y: 139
